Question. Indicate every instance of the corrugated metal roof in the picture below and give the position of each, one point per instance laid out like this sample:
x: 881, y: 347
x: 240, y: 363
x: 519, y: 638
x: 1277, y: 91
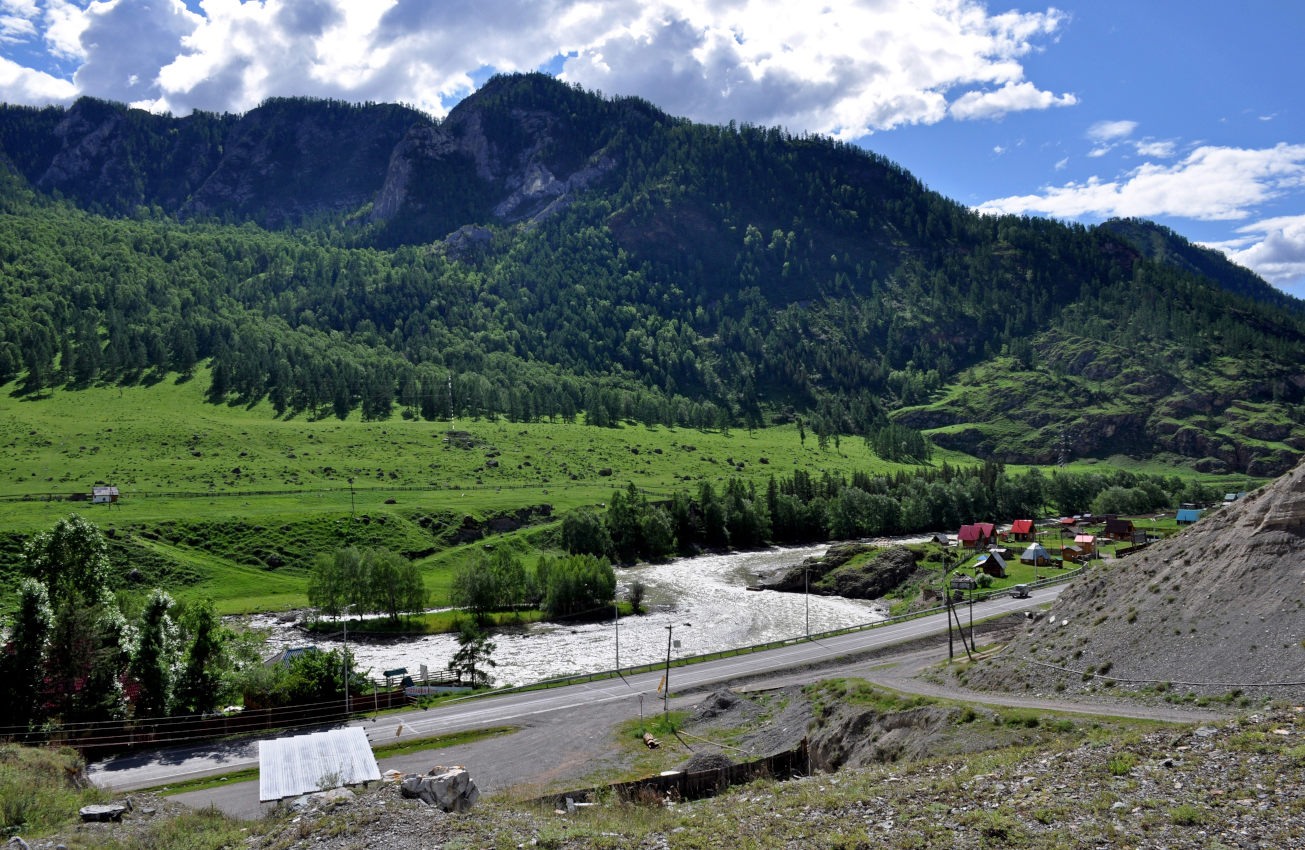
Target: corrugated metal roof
x: 301, y: 764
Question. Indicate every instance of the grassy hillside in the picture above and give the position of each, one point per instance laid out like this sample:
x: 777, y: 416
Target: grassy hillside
x: 1076, y: 396
x: 232, y: 502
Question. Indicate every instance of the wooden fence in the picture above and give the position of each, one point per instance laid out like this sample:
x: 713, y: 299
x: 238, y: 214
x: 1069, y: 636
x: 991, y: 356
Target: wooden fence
x: 693, y: 786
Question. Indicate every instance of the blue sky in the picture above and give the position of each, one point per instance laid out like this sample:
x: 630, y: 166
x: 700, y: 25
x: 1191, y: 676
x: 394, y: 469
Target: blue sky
x: 1183, y: 112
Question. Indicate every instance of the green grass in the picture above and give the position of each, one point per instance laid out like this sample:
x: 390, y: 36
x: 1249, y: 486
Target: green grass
x: 39, y: 791
x: 190, y: 522
x: 233, y: 503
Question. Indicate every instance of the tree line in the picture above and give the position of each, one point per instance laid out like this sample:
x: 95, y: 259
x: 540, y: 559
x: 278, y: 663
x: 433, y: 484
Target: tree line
x: 804, y: 508
x: 76, y: 652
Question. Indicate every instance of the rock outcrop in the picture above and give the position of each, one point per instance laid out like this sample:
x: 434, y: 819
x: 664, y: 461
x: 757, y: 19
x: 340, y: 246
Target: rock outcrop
x: 450, y: 788
x: 830, y: 575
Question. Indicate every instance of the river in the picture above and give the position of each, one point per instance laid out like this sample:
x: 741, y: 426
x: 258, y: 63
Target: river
x: 703, y: 599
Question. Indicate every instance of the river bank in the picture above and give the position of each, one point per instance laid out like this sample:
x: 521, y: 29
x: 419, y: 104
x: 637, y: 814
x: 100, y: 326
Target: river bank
x: 703, y: 602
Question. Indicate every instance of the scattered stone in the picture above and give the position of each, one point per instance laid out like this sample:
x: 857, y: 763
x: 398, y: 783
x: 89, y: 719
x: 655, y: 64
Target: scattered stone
x: 452, y: 789
x: 716, y: 704
x: 102, y: 812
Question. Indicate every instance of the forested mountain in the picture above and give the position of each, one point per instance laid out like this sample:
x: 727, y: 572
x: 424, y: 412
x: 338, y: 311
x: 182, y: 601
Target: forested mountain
x: 546, y: 252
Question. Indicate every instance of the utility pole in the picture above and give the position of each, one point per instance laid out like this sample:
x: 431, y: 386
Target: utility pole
x: 806, y: 597
x: 452, y: 426
x: 972, y: 585
x: 344, y: 662
x: 947, y: 603
x: 666, y: 680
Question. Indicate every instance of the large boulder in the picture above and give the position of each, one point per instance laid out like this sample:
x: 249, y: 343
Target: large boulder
x: 450, y: 788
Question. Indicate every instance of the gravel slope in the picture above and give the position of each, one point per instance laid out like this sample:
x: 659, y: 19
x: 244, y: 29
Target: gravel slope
x: 1216, y: 611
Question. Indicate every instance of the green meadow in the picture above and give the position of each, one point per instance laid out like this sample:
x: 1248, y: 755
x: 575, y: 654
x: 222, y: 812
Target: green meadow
x: 233, y: 503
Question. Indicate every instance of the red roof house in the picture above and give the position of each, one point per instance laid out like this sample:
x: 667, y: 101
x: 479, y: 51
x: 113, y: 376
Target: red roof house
x: 1022, y: 529
x: 978, y: 535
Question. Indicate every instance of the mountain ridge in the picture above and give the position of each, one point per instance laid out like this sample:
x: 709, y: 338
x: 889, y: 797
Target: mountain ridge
x: 552, y: 252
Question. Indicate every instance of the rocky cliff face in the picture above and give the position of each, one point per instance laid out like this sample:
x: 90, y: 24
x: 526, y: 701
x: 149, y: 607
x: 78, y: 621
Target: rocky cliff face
x: 524, y: 170
x: 289, y: 160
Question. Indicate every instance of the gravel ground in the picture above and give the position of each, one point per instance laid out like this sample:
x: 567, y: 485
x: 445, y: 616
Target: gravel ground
x: 1235, y: 784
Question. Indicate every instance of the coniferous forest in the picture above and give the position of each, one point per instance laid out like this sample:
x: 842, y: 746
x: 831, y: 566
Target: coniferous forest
x: 546, y: 253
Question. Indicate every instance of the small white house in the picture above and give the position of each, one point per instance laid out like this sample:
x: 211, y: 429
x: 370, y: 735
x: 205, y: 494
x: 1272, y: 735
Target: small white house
x: 104, y: 495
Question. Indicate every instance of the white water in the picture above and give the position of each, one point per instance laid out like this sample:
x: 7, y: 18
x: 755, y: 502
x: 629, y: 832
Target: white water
x: 704, y: 599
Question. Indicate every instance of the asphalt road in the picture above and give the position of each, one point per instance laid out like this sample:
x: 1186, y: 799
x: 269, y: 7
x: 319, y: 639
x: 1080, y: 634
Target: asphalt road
x: 614, y: 699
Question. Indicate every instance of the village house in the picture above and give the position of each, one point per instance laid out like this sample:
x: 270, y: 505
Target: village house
x: 1118, y: 529
x: 978, y: 535
x: 993, y: 564
x: 1187, y: 516
x: 1022, y: 529
x: 1074, y: 554
x: 104, y: 495
x: 1036, y: 555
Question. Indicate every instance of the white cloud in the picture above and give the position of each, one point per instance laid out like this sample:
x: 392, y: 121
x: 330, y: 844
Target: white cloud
x: 15, y: 28
x: 1211, y: 183
x: 64, y: 24
x: 16, y: 20
x: 1105, y: 131
x: 126, y: 42
x: 1158, y: 149
x: 1061, y: 164
x: 846, y: 67
x: 1274, y: 249
x: 1100, y: 151
x: 1012, y: 97
x: 23, y: 85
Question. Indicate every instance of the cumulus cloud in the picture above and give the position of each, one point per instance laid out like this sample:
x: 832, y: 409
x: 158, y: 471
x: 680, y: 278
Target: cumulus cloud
x: 1012, y: 97
x: 843, y: 68
x: 23, y: 85
x: 1211, y: 183
x: 846, y: 67
x: 16, y: 20
x: 64, y: 24
x: 1273, y: 248
x: 126, y: 42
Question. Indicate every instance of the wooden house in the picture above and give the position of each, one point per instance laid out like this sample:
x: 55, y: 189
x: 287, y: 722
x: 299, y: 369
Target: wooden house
x: 993, y: 564
x: 977, y: 536
x: 1187, y: 516
x: 1118, y: 529
x: 1022, y: 529
x: 1074, y: 554
x: 1086, y: 542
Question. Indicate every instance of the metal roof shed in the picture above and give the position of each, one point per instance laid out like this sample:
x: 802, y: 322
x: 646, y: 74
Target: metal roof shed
x: 302, y: 764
